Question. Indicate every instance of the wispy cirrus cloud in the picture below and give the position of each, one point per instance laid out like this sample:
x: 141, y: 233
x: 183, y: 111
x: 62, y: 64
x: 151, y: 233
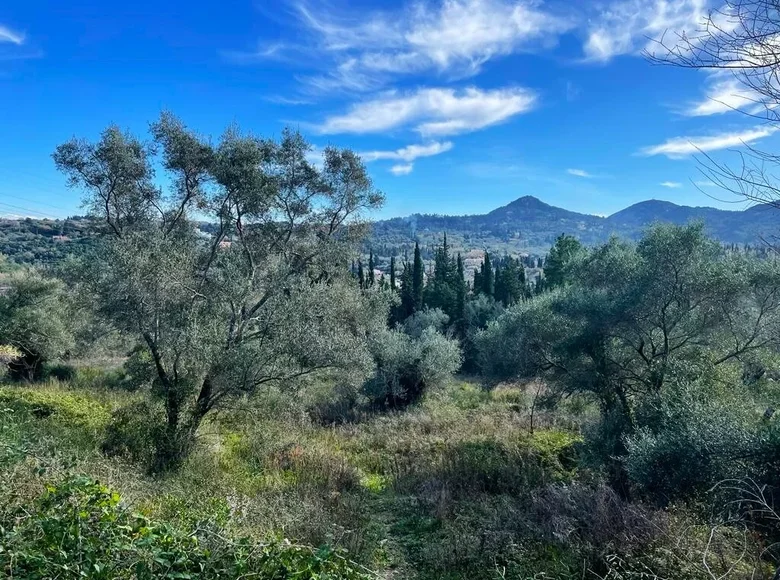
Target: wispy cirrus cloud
x: 433, y: 112
x: 629, y: 26
x: 408, y: 154
x: 452, y: 38
x: 11, y: 36
x: 671, y: 184
x: 678, y: 147
x: 580, y: 173
x: 724, y: 95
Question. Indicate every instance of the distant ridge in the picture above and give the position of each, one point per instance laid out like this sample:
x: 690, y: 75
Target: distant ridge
x: 529, y: 223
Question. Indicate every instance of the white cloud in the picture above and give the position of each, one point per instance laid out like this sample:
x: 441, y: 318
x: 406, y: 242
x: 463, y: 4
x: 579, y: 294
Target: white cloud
x: 402, y: 169
x: 724, y: 95
x: 683, y: 146
x: 706, y: 183
x: 671, y: 184
x: 8, y: 35
x: 410, y: 152
x: 628, y: 26
x: 281, y: 100
x: 450, y: 37
x: 316, y: 156
x: 579, y: 173
x: 433, y: 112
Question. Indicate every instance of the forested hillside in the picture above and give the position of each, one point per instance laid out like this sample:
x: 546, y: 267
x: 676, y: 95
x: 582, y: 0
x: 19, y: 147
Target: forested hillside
x: 527, y: 227
x: 43, y: 241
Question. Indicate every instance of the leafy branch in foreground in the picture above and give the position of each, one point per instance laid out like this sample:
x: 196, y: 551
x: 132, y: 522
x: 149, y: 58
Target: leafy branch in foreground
x: 80, y: 528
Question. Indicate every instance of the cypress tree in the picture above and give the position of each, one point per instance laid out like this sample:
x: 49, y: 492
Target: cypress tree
x: 488, y: 283
x: 361, y: 275
x: 500, y: 289
x: 392, y: 273
x: 418, y: 279
x: 370, y: 278
x: 407, y: 293
x: 441, y: 289
x: 510, y: 285
x: 460, y: 297
x: 477, y: 285
x: 540, y: 285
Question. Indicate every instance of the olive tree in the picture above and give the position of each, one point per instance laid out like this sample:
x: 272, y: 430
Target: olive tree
x: 234, y: 276
x: 636, y: 316
x: 33, y: 320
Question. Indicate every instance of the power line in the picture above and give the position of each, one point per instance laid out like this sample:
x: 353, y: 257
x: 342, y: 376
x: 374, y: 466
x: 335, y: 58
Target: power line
x: 33, y: 202
x: 32, y: 211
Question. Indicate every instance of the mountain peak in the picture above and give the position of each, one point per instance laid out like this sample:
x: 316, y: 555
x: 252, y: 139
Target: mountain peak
x: 525, y: 203
x: 528, y: 200
x: 530, y: 207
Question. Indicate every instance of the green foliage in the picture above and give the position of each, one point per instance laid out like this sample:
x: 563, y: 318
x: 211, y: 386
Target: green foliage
x: 561, y: 259
x: 484, y: 278
x: 633, y: 318
x: 406, y: 367
x: 263, y: 297
x: 43, y: 242
x: 510, y: 285
x: 454, y: 487
x: 8, y: 355
x: 418, y: 280
x: 33, y: 319
x: 695, y: 435
x: 446, y: 290
x: 133, y: 432
x: 479, y: 311
x: 70, y: 408
x: 418, y: 322
x: 79, y: 528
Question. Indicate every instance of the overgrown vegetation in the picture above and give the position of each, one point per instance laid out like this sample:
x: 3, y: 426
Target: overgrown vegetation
x: 255, y: 402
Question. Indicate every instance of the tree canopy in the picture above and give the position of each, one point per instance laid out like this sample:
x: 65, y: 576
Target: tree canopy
x: 264, y: 299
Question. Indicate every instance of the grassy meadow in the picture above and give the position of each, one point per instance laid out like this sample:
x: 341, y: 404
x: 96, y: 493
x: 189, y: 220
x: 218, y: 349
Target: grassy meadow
x: 468, y: 484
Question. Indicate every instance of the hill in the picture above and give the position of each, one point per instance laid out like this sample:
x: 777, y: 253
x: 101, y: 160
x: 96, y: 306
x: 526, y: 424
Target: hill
x: 528, y: 225
x: 44, y: 241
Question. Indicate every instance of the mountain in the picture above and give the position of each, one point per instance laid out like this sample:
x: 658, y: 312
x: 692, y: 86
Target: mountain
x: 529, y: 225
x: 526, y: 225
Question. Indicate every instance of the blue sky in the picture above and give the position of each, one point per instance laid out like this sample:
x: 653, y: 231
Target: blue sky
x: 459, y: 106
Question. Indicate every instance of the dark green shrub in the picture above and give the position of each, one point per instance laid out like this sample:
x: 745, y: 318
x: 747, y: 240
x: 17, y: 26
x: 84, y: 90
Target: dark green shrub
x: 60, y: 372
x: 80, y: 529
x: 693, y: 437
x: 33, y: 318
x: 133, y: 431
x: 406, y: 367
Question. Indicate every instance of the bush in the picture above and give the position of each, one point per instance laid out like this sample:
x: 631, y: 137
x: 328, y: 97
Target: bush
x: 406, y: 367
x: 60, y: 372
x: 133, y: 432
x: 80, y: 529
x: 33, y: 317
x: 329, y: 403
x: 420, y: 321
x: 479, y: 312
x: 695, y: 436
